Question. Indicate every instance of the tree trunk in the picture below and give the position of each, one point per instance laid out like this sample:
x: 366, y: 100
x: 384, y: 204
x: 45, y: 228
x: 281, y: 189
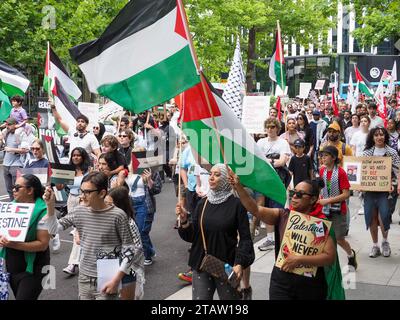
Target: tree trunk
x: 251, y: 56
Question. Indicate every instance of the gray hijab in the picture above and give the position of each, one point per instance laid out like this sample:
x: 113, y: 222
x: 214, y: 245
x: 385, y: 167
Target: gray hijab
x: 223, y: 190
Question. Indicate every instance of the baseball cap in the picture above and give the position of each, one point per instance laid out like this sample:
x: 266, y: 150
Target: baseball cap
x: 330, y: 150
x: 316, y: 112
x: 334, y: 125
x: 11, y: 121
x: 299, y: 143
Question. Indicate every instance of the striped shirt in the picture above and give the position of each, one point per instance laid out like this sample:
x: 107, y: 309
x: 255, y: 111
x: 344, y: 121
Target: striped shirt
x: 101, y: 231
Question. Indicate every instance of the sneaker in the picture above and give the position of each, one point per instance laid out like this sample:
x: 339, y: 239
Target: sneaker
x: 148, y: 262
x: 386, y: 249
x: 353, y: 260
x: 71, y: 269
x: 247, y: 293
x: 375, y: 252
x: 186, y: 276
x: 267, y: 245
x: 56, y: 243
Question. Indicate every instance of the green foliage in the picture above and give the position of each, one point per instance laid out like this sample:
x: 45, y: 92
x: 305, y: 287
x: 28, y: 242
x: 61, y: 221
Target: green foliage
x: 381, y: 20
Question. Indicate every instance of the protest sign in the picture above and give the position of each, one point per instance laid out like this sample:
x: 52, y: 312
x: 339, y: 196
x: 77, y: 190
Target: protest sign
x: 62, y: 173
x: 319, y: 85
x: 90, y: 110
x: 14, y: 220
x: 305, y: 88
x: 255, y: 111
x: 41, y: 173
x: 304, y: 236
x: 147, y: 160
x: 368, y: 173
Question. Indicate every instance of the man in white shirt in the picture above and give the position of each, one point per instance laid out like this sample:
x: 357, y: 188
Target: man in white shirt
x: 376, y: 121
x: 80, y: 136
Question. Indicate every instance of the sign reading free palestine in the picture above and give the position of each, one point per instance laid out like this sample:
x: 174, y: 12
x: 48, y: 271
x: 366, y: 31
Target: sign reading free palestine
x: 14, y: 220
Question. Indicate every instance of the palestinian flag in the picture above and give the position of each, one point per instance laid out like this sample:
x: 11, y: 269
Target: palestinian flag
x: 240, y: 150
x: 361, y: 82
x: 277, y: 71
x: 13, y: 82
x: 67, y: 109
x: 143, y: 58
x: 55, y: 69
x: 5, y: 106
x: 141, y: 160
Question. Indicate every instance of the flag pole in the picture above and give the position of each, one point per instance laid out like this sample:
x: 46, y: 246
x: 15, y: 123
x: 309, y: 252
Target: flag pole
x: 202, y: 80
x: 179, y: 157
x: 48, y: 69
x: 280, y: 55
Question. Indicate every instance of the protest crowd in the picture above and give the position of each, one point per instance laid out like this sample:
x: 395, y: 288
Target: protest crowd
x: 117, y: 166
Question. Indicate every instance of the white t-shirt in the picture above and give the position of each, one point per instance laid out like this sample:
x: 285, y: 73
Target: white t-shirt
x: 87, y: 142
x: 278, y: 146
x: 349, y: 132
x: 204, y: 175
x: 139, y: 192
x: 380, y: 152
x: 358, y: 141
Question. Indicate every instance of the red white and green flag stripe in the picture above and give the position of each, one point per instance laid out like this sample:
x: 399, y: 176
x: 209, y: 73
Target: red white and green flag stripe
x: 277, y: 71
x: 13, y: 82
x: 241, y: 152
x: 55, y: 69
x: 361, y: 83
x: 143, y: 58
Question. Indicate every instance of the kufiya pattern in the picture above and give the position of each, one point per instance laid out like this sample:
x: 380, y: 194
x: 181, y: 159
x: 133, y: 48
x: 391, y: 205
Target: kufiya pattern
x: 235, y: 86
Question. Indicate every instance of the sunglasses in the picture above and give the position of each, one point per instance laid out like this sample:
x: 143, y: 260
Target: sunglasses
x: 17, y: 187
x: 87, y: 192
x: 271, y: 127
x: 300, y: 194
x: 35, y: 149
x: 122, y: 136
x: 96, y: 128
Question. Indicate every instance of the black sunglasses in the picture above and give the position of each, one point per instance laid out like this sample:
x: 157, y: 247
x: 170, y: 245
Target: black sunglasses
x: 300, y: 194
x: 18, y: 186
x: 87, y: 192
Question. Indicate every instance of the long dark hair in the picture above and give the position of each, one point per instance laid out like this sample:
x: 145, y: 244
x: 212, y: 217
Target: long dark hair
x: 102, y: 130
x: 110, y: 159
x: 370, y: 138
x: 33, y: 182
x: 122, y: 200
x: 84, y: 166
x: 305, y: 120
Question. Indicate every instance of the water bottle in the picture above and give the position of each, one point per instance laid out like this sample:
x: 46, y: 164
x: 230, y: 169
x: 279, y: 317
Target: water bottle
x: 228, y: 269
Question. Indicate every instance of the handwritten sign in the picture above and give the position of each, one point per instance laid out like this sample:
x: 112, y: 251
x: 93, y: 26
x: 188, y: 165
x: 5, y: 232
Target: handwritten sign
x: 255, y: 112
x: 90, y: 110
x: 305, y: 88
x: 14, y: 220
x: 304, y: 236
x: 319, y: 85
x: 369, y: 173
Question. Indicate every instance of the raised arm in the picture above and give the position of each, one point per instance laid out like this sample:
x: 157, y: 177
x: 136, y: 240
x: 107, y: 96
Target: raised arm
x: 64, y: 125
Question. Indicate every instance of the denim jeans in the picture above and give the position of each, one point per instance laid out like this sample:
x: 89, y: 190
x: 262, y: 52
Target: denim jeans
x: 144, y: 225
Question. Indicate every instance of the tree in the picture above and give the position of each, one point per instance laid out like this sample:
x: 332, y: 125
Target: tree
x: 380, y: 20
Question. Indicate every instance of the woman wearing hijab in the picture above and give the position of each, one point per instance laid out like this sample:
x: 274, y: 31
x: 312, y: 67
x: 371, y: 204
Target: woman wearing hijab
x: 98, y: 131
x: 222, y: 218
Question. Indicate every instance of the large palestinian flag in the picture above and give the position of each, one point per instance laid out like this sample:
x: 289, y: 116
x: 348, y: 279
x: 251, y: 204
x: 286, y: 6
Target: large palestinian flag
x: 241, y: 152
x: 361, y: 83
x: 277, y: 71
x: 13, y: 82
x: 55, y: 69
x: 143, y: 58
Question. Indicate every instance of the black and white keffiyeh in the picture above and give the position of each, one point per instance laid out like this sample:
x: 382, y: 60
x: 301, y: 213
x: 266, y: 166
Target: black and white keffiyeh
x: 224, y: 190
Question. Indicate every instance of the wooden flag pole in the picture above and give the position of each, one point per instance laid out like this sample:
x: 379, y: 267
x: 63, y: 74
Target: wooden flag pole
x: 48, y: 69
x: 202, y: 80
x: 179, y: 157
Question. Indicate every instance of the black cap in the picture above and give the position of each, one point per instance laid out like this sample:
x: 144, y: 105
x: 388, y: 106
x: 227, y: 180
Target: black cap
x: 330, y: 150
x: 316, y: 112
x: 299, y: 143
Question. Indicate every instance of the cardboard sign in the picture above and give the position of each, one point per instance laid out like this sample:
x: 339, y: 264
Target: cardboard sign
x: 147, y: 160
x: 41, y: 173
x: 62, y: 173
x: 305, y: 88
x: 14, y: 220
x: 90, y: 110
x: 369, y: 173
x: 304, y: 236
x: 255, y: 112
x: 319, y: 85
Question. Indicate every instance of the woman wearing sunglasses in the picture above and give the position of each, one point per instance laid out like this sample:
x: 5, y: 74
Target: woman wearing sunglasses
x: 125, y: 139
x: 25, y: 260
x: 377, y: 211
x: 285, y: 285
x: 38, y: 160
